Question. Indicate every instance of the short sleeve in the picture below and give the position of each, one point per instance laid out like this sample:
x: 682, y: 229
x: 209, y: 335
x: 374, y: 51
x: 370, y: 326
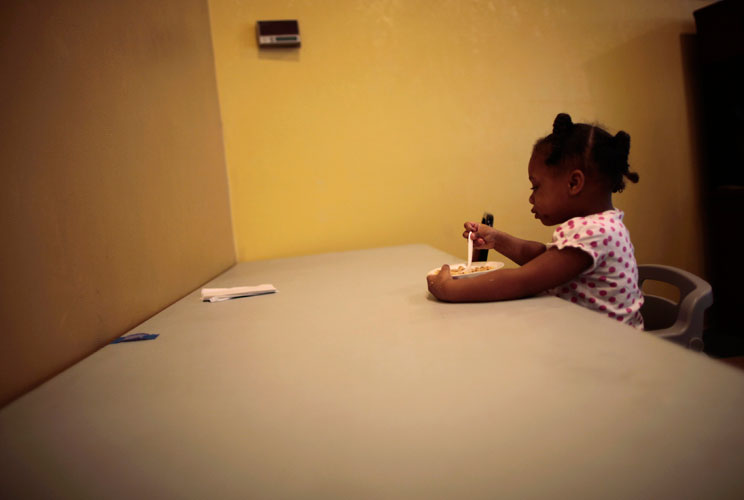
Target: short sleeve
x: 585, y: 233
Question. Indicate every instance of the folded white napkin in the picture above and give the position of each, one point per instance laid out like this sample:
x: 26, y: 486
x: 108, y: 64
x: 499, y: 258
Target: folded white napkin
x: 219, y: 294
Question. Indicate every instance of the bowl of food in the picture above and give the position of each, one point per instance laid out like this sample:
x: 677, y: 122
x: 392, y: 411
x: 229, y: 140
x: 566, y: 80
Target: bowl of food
x: 460, y: 270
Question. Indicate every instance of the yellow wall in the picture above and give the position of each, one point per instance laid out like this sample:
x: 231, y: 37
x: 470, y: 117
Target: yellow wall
x: 114, y: 192
x: 398, y: 120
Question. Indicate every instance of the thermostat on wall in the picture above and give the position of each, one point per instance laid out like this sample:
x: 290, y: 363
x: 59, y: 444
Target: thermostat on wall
x: 278, y: 33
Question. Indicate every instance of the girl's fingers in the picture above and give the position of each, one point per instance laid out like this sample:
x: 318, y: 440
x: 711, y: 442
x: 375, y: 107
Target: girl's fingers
x: 471, y: 226
x: 479, y: 243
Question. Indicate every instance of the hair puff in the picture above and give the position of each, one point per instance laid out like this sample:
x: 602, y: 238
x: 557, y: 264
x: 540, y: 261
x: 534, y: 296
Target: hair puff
x: 562, y: 125
x: 562, y: 128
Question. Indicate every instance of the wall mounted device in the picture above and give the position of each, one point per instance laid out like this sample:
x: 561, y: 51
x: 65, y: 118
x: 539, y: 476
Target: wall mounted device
x: 284, y: 33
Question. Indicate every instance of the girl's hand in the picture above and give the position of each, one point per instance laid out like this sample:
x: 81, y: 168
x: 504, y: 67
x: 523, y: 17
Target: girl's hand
x: 438, y: 283
x: 483, y: 236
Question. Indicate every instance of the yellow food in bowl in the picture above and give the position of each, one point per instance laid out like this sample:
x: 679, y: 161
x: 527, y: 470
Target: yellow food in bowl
x: 462, y: 270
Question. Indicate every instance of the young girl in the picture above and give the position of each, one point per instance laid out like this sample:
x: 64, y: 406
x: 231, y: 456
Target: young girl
x: 590, y: 260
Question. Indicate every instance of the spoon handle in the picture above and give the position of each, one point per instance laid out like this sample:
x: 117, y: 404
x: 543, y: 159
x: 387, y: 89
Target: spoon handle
x: 470, y: 251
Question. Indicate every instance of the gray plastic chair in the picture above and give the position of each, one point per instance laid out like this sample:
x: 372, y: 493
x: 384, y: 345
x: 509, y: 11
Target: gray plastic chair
x: 681, y: 322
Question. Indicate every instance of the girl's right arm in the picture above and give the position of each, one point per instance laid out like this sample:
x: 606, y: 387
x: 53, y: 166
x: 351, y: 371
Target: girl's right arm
x: 518, y: 250
x: 548, y: 270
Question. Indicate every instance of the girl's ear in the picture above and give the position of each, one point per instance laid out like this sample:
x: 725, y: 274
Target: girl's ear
x: 576, y: 180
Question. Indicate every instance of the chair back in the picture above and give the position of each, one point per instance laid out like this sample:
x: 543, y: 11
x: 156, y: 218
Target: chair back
x: 681, y: 322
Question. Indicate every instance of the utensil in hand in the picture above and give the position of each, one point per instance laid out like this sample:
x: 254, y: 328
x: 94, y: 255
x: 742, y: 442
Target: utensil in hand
x: 470, y: 250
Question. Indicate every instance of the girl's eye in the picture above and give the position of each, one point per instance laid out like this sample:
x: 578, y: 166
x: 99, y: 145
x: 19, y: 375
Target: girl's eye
x: 533, y: 188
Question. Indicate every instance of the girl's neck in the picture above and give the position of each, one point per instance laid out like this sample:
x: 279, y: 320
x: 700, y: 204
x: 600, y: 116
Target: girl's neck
x: 590, y: 205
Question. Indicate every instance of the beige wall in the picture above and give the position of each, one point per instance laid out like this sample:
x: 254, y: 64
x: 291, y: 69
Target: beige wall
x: 398, y: 120
x: 114, y: 193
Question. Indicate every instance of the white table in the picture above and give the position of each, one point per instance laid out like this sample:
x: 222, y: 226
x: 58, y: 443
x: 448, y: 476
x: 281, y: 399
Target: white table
x: 351, y: 382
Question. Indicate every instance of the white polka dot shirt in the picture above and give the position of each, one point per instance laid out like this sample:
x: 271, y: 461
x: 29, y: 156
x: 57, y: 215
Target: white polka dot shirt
x: 610, y: 285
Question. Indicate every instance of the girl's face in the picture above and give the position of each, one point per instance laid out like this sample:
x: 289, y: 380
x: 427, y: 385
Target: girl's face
x: 550, y: 191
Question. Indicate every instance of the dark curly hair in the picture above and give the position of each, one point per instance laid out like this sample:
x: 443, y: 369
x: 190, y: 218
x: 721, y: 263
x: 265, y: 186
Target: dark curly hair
x: 589, y: 148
